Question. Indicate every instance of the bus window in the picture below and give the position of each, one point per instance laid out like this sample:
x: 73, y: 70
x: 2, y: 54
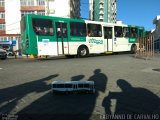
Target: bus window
x: 42, y: 26
x: 134, y: 32
x: 94, y: 30
x: 86, y: 85
x: 91, y: 86
x: 68, y: 85
x: 78, y: 29
x: 54, y: 86
x: 107, y: 32
x: 125, y: 32
x: 60, y: 85
x: 80, y: 85
x: 61, y: 30
x: 118, y: 31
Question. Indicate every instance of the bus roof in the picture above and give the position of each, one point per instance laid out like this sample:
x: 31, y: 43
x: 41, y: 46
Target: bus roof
x: 73, y: 82
x: 80, y: 20
x: 55, y: 17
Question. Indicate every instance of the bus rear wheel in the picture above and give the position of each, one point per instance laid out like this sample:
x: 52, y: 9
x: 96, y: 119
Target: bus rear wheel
x: 82, y: 51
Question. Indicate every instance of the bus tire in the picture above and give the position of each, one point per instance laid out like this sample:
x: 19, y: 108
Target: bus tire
x: 82, y: 51
x: 133, y: 49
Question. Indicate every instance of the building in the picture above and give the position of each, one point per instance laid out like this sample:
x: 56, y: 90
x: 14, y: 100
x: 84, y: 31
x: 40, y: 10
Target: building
x: 63, y: 8
x: 103, y: 10
x: 156, y: 33
x: 11, y: 12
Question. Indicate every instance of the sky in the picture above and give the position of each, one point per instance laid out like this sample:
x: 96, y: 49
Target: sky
x: 132, y: 12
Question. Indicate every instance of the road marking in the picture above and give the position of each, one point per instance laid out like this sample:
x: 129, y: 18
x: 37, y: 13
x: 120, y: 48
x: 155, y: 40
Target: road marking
x: 1, y: 68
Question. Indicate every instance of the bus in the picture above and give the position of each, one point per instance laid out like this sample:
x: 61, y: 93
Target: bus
x: 55, y: 36
x: 73, y: 87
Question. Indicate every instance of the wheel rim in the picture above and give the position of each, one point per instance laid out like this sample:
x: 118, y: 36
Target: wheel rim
x: 83, y: 52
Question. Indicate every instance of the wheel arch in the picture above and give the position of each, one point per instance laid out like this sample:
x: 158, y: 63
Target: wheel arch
x: 83, y: 45
x: 133, y: 48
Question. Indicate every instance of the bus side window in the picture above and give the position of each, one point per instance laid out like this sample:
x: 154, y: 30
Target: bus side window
x: 64, y: 31
x: 42, y: 26
x: 68, y: 85
x: 51, y: 31
x: 54, y: 86
x: 134, y: 32
x: 77, y: 29
x: 80, y: 85
x: 91, y: 86
x: 60, y: 86
x: 125, y: 32
x: 94, y: 30
x: 107, y: 32
x: 86, y: 85
x: 59, y: 33
x: 61, y: 30
x: 118, y: 31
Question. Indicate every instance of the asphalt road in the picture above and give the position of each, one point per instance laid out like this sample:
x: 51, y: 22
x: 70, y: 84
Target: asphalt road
x: 124, y: 85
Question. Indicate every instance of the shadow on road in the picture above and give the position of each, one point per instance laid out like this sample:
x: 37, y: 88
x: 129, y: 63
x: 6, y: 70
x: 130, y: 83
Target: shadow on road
x: 67, y: 106
x: 131, y: 100
x: 9, y: 97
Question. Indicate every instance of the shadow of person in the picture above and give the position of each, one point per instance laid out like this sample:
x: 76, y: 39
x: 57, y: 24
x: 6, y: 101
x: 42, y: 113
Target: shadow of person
x: 9, y: 97
x: 77, y: 78
x: 131, y: 100
x: 100, y: 80
x: 65, y: 106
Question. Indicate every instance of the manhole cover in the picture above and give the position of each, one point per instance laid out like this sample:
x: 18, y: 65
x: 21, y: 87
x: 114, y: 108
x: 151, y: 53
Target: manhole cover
x: 158, y: 70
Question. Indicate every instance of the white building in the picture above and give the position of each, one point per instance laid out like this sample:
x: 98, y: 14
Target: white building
x: 63, y: 8
x: 156, y: 32
x: 11, y: 12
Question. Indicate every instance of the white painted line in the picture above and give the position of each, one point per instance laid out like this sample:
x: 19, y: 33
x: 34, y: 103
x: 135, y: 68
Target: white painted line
x: 1, y: 68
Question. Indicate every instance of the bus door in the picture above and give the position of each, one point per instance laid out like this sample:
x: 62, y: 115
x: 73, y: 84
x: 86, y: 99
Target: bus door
x: 62, y: 37
x: 120, y: 42
x: 108, y: 43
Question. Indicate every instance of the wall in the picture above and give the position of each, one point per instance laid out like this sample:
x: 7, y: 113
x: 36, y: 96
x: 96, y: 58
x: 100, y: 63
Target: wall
x: 12, y: 16
x: 59, y: 8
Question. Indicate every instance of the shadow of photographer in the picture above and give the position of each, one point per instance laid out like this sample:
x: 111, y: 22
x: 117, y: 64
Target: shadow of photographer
x: 131, y: 100
x: 67, y: 106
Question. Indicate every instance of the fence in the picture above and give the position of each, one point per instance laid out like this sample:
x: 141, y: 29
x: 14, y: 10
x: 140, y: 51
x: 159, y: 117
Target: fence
x: 145, y: 47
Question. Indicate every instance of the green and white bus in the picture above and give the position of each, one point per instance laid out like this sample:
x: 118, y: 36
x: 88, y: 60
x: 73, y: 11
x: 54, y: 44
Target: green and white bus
x: 55, y: 36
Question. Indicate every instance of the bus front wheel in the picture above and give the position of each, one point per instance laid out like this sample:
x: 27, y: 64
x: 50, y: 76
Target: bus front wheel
x: 83, y: 51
